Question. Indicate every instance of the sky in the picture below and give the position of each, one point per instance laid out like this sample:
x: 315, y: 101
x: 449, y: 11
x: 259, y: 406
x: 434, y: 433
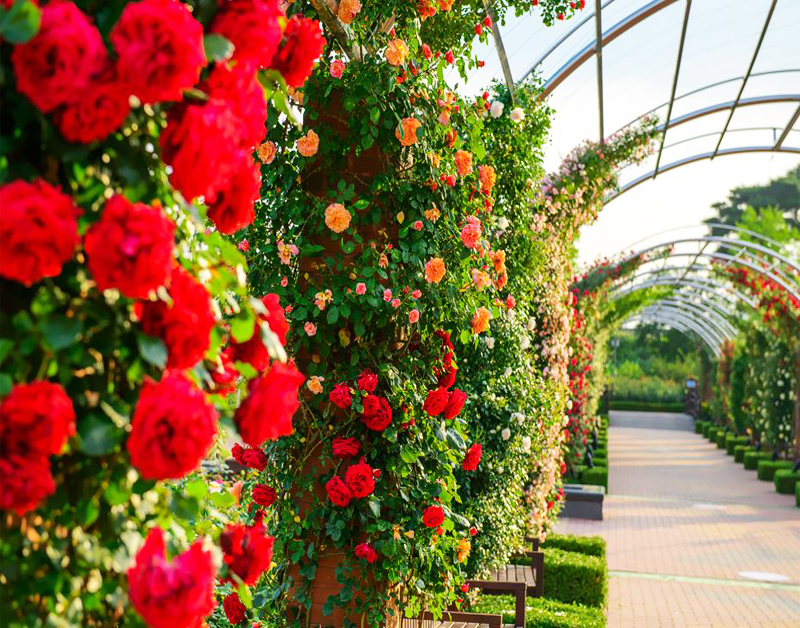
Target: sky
x: 638, y: 72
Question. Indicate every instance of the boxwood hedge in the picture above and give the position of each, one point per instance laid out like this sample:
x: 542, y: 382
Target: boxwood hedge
x: 766, y: 468
x: 589, y: 545
x: 785, y: 481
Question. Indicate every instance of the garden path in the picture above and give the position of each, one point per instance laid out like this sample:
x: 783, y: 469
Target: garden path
x: 683, y: 522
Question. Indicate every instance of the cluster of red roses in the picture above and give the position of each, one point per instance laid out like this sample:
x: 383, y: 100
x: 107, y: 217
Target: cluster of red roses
x: 181, y: 592
x: 159, y: 55
x: 377, y: 413
x: 359, y: 482
x: 36, y: 420
x: 441, y: 400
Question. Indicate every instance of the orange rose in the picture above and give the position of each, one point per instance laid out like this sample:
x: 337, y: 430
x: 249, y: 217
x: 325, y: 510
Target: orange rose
x: 266, y: 152
x: 435, y: 159
x: 409, y: 136
x: 480, y: 320
x: 308, y: 145
x: 463, y: 162
x: 487, y: 178
x: 337, y: 217
x: 499, y: 261
x: 434, y: 270
x: 396, y: 52
x: 433, y: 214
x: 236, y: 491
x: 348, y: 9
x: 445, y: 5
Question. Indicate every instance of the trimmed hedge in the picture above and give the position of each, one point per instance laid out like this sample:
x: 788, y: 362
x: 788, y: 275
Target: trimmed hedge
x: 767, y: 468
x: 596, y: 477
x: 572, y: 577
x: 739, y: 451
x: 543, y: 613
x: 698, y: 426
x: 752, y: 458
x: 707, y: 427
x: 588, y: 545
x: 732, y: 441
x: 797, y: 494
x: 647, y: 406
x: 721, y: 436
x: 785, y: 481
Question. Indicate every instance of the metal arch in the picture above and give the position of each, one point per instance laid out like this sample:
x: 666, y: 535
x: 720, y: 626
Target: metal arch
x: 711, y: 330
x: 730, y: 104
x: 747, y: 75
x: 698, y: 325
x: 587, y: 51
x: 681, y: 324
x: 598, y: 39
x: 708, y: 286
x: 711, y: 315
x: 702, y: 135
x: 700, y: 157
x: 788, y: 128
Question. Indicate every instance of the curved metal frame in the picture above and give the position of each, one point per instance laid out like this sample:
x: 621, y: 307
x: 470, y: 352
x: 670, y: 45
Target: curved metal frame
x: 707, y: 286
x: 712, y: 331
x: 711, y: 315
x: 681, y: 323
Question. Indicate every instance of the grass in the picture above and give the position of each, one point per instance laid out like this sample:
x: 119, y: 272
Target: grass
x: 542, y: 612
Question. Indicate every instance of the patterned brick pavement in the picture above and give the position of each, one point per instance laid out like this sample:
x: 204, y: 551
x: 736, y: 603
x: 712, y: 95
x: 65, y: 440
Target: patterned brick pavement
x: 682, y: 520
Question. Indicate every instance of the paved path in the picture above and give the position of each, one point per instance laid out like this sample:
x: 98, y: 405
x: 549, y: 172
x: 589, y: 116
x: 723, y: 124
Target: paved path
x: 682, y: 522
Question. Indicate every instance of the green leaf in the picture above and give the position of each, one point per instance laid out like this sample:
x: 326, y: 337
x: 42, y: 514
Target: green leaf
x: 244, y: 595
x: 197, y: 488
x: 60, y: 332
x: 374, y: 507
x: 152, y: 349
x: 218, y: 48
x: 374, y: 115
x: 455, y: 439
x: 20, y: 23
x: 243, y: 326
x: 348, y: 246
x: 333, y: 315
x: 222, y: 500
x: 6, y: 383
x: 88, y: 511
x: 464, y: 337
x: 99, y: 436
x: 116, y: 494
x: 5, y: 348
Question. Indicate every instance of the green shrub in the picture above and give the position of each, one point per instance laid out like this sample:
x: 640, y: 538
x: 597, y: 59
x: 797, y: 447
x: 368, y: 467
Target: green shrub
x: 797, y: 494
x: 596, y: 477
x: 644, y: 406
x: 732, y: 441
x: 600, y: 461
x: 698, y: 426
x: 707, y: 428
x: 785, y: 480
x: 752, y: 458
x: 767, y: 468
x: 721, y: 435
x: 739, y: 451
x: 542, y: 613
x: 589, y: 545
x: 572, y: 577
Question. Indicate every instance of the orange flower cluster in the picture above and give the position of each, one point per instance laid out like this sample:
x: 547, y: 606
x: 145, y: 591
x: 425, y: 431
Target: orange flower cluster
x: 435, y: 270
x: 337, y: 218
x: 308, y: 145
x: 480, y: 320
x: 409, y: 128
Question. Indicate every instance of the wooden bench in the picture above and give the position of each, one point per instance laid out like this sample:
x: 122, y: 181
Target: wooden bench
x: 532, y: 575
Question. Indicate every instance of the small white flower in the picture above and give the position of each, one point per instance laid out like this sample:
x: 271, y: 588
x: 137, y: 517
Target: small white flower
x: 517, y: 114
x: 502, y: 223
x: 507, y: 372
x: 525, y: 343
x: 526, y: 443
x: 518, y: 417
x: 489, y: 342
x: 505, y: 434
x: 497, y: 109
x: 569, y: 404
x: 531, y: 323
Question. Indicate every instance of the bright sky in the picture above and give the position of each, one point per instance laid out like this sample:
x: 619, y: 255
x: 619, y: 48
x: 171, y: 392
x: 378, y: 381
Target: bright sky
x: 639, y: 69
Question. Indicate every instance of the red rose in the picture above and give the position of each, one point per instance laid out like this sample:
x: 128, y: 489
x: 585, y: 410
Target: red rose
x: 225, y: 375
x: 239, y: 88
x: 130, y: 248
x: 160, y: 50
x: 38, y: 230
x: 266, y: 413
x: 101, y: 109
x: 455, y: 403
x: 367, y: 381
x: 473, y: 531
x: 173, y: 427
x: 237, y: 451
x: 340, y: 395
x: 433, y: 516
x: 24, y: 483
x: 247, y: 550
x: 36, y: 420
x: 472, y: 458
x: 338, y: 492
x: 235, y: 611
x: 447, y: 378
x: 185, y: 324
x: 367, y: 552
x: 296, y: 58
x: 264, y: 495
x: 252, y: 351
x: 359, y: 479
x: 55, y: 67
x: 201, y: 143
x: 377, y: 414
x: 232, y: 207
x: 253, y: 27
x: 345, y: 447
x: 172, y: 594
x: 275, y: 317
x: 436, y: 401
x: 255, y: 459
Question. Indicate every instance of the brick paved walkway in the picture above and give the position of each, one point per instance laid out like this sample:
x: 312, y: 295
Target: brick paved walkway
x: 682, y: 521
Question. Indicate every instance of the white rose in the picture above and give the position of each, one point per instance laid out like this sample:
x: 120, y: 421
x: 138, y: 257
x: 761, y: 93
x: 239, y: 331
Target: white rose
x: 517, y: 114
x: 531, y: 323
x: 502, y: 223
x: 518, y: 417
x: 497, y: 109
x: 525, y: 343
x: 507, y: 372
x: 526, y: 443
x: 569, y: 404
x: 489, y: 342
x: 505, y: 434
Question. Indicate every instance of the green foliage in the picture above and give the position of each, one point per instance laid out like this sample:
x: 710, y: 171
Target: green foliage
x: 720, y: 439
x: 647, y: 389
x: 699, y: 425
x: 740, y: 451
x: 797, y: 494
x: 644, y: 406
x: 785, y: 480
x: 732, y: 442
x: 575, y: 578
x: 766, y: 468
x: 598, y: 476
x: 753, y: 458
x: 542, y: 612
x: 589, y: 545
